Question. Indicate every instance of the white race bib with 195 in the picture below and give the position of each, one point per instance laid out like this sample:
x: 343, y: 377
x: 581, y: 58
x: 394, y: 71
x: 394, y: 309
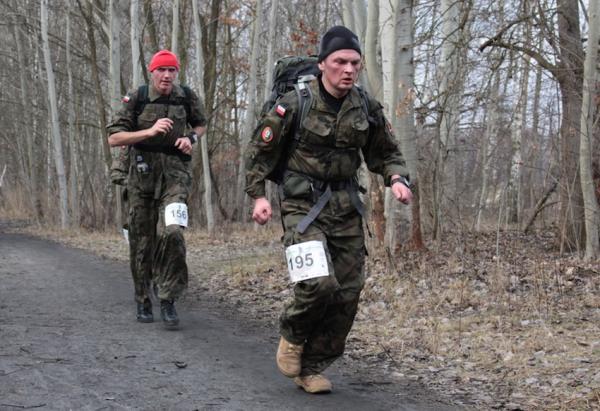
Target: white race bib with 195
x: 306, y: 260
x: 176, y: 213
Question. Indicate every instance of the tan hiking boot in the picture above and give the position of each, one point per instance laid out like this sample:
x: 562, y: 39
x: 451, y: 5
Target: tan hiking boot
x: 314, y: 384
x: 289, y: 358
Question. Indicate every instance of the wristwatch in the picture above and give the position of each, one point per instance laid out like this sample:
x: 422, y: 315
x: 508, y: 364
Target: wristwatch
x: 193, y: 136
x: 402, y: 180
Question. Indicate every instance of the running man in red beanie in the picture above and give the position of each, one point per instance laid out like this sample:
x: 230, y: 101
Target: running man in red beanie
x: 159, y: 123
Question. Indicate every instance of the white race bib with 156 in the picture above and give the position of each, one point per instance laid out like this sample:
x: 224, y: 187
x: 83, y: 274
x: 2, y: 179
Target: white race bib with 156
x: 306, y: 260
x: 176, y: 213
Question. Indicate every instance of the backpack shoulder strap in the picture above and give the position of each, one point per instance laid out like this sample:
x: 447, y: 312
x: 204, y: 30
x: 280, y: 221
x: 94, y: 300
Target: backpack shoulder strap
x: 365, y: 105
x: 141, y: 99
x: 187, y: 101
x: 305, y: 100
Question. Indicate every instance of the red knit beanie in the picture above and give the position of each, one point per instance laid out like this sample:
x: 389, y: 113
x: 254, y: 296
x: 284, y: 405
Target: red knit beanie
x: 163, y: 58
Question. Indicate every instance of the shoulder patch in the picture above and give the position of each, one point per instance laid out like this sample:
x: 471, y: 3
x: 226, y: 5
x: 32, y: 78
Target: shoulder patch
x: 267, y: 134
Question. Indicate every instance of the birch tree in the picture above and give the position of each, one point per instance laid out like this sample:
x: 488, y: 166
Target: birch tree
x: 387, y: 23
x: 449, y: 86
x: 396, y: 22
x: 115, y: 56
x: 175, y: 28
x: 115, y: 90
x: 489, y: 142
x: 54, y: 122
x: 405, y: 114
x: 373, y: 68
x: 210, y: 219
x: 249, y: 119
x: 73, y: 172
x: 588, y: 116
x: 136, y: 63
x: 516, y: 165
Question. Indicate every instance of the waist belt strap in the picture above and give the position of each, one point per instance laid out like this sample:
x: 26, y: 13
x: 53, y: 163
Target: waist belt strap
x: 313, y: 213
x: 356, y: 202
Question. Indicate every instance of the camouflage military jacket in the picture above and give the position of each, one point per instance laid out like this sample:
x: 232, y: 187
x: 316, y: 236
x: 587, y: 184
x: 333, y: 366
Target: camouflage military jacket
x: 157, y: 107
x: 330, y: 143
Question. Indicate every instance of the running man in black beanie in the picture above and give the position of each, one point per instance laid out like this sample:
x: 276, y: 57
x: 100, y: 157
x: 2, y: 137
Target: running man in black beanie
x: 320, y: 206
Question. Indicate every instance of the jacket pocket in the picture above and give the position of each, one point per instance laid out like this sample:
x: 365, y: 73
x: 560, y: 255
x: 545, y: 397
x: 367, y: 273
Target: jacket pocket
x: 296, y: 186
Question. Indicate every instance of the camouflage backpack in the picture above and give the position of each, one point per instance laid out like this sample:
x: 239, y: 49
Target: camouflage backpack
x: 291, y: 73
x: 294, y: 73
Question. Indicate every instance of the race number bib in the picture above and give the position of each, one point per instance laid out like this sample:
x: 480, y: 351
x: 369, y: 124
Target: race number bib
x: 176, y: 213
x: 306, y: 260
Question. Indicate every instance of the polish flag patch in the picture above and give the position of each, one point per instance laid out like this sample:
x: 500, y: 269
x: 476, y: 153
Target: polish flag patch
x: 280, y: 110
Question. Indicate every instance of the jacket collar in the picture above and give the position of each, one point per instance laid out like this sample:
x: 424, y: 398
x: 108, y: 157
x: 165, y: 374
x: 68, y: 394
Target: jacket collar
x: 352, y: 100
x: 176, y: 92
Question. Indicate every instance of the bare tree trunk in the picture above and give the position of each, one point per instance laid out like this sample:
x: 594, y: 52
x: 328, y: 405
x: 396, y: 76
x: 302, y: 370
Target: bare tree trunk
x: 97, y: 83
x: 588, y: 116
x: 115, y: 57
x: 209, y: 27
x: 570, y: 72
x: 210, y: 218
x: 73, y: 170
x: 445, y: 179
x: 56, y: 138
x: 389, y: 55
x: 136, y: 63
x: 405, y: 115
x: 371, y: 64
x: 396, y: 21
x: 489, y: 143
x: 30, y: 178
x: 175, y: 28
x: 516, y: 166
x: 115, y: 100
x: 250, y: 117
x: 151, y: 24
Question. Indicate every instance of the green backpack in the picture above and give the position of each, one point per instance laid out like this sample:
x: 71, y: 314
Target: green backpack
x: 291, y: 73
x: 294, y: 73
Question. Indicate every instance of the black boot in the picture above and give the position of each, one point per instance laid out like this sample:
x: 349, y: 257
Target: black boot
x: 144, y: 312
x: 168, y: 313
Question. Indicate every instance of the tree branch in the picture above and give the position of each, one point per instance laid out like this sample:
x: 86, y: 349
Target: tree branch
x: 497, y: 42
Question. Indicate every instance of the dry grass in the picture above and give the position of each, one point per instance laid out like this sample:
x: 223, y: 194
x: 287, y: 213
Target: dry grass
x: 514, y: 330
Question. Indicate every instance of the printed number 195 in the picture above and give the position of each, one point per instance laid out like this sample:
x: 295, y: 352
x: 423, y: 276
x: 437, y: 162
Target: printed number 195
x: 300, y: 261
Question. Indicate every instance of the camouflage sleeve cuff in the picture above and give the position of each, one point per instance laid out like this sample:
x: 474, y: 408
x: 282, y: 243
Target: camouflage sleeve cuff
x: 256, y: 190
x: 200, y: 123
x: 115, y: 129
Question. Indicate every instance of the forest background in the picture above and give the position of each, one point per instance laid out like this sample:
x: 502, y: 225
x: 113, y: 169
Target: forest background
x: 495, y: 107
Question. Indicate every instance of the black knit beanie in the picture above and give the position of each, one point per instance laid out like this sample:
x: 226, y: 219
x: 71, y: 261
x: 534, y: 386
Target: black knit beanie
x: 338, y: 38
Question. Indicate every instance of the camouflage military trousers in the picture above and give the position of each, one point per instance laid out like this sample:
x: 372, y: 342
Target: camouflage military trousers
x: 156, y: 251
x: 323, y: 309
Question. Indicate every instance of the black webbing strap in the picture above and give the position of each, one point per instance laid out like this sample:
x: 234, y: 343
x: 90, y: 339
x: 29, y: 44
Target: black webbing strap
x: 315, y: 210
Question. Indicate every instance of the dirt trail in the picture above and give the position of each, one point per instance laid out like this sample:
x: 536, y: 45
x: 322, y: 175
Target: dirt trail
x: 69, y: 340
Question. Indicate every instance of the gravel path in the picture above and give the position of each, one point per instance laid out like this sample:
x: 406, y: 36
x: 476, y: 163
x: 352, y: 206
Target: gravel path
x: 69, y: 340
